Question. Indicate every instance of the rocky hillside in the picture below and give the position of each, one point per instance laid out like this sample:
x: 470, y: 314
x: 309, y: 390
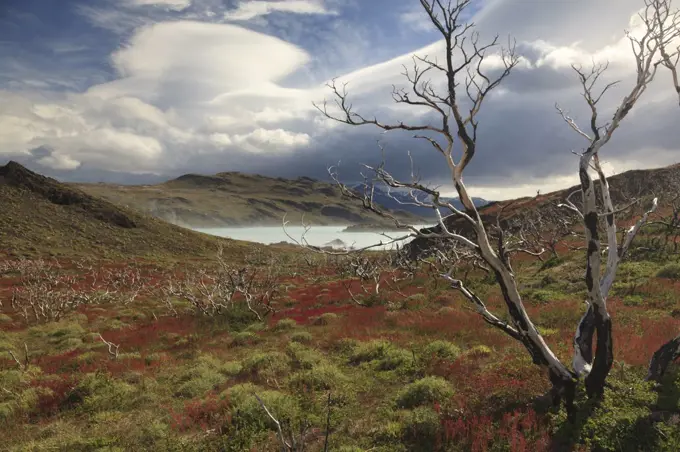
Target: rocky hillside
x: 663, y: 183
x: 41, y: 216
x: 237, y: 199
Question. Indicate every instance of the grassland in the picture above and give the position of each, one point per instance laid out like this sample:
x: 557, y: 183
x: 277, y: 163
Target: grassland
x: 126, y: 341
x: 412, y: 372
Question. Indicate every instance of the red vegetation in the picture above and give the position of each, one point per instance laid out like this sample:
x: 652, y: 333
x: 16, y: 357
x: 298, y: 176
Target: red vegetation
x: 53, y: 395
x: 209, y: 413
x: 520, y: 431
x: 147, y: 335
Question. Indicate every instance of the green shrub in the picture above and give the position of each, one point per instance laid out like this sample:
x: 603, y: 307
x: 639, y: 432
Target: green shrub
x: 370, y: 351
x: 153, y: 357
x: 321, y: 377
x: 425, y: 391
x: 414, y: 302
x: 302, y: 356
x: 383, y: 356
x: 4, y: 318
x: 542, y: 295
x: 633, y: 300
x: 346, y: 345
x: 303, y: 337
x: 200, y: 377
x: 546, y: 332
x: 443, y: 350
x: 250, y: 414
x: 61, y: 336
x: 669, y: 271
x: 231, y: 368
x: 479, y: 351
x: 325, y: 319
x: 99, y: 392
x: 265, y: 366
x: 446, y: 310
x: 244, y: 338
x: 552, y: 262
x: 285, y: 325
x: 421, y: 428
x: 396, y: 359
x: 620, y: 421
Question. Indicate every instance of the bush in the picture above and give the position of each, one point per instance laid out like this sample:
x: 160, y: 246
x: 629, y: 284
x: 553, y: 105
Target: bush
x: 98, y: 392
x: 383, y: 356
x: 670, y: 271
x: 633, y: 300
x: 325, y: 318
x: 421, y: 429
x: 244, y: 338
x: 322, y: 377
x: 62, y: 336
x: 302, y: 356
x: 346, y: 345
x: 425, y: 391
x: 414, y: 302
x: 479, y: 351
x: 442, y: 350
x: 542, y: 295
x: 620, y: 422
x: 231, y: 368
x: 202, y: 376
x: 370, y: 351
x: 303, y: 337
x: 265, y: 366
x: 285, y: 325
x: 250, y: 414
x: 551, y: 263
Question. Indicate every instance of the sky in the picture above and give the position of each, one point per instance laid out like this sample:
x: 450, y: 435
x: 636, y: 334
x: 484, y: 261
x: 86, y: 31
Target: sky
x: 139, y: 91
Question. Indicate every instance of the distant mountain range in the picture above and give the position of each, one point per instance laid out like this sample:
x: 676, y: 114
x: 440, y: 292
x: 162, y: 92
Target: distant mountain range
x: 238, y: 199
x: 399, y: 200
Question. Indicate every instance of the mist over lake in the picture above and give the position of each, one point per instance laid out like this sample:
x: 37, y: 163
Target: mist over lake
x: 316, y: 236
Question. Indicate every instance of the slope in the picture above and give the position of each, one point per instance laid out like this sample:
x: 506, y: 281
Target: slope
x: 41, y: 216
x: 643, y: 185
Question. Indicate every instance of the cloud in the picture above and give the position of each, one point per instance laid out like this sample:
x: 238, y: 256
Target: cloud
x: 177, y: 5
x: 193, y: 96
x: 248, y: 10
x: 261, y: 139
x: 194, y: 61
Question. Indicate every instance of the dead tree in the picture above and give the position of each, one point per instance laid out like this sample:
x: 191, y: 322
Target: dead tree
x: 291, y: 441
x: 468, y: 84
x: 212, y: 293
x: 661, y: 29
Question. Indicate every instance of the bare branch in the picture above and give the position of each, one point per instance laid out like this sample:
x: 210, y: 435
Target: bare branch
x: 113, y: 348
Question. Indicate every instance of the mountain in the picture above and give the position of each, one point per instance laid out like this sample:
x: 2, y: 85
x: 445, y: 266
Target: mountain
x: 41, y: 216
x: 663, y: 183
x: 400, y: 200
x: 237, y: 199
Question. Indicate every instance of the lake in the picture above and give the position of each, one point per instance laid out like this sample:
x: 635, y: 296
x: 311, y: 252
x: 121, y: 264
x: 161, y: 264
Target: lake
x: 316, y: 236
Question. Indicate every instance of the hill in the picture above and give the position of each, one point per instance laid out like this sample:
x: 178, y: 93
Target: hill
x: 635, y: 184
x: 41, y: 216
x: 237, y: 199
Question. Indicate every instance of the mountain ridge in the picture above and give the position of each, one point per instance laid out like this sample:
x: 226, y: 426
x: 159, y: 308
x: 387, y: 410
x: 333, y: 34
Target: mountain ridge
x: 230, y: 199
x: 42, y: 216
x: 641, y: 184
